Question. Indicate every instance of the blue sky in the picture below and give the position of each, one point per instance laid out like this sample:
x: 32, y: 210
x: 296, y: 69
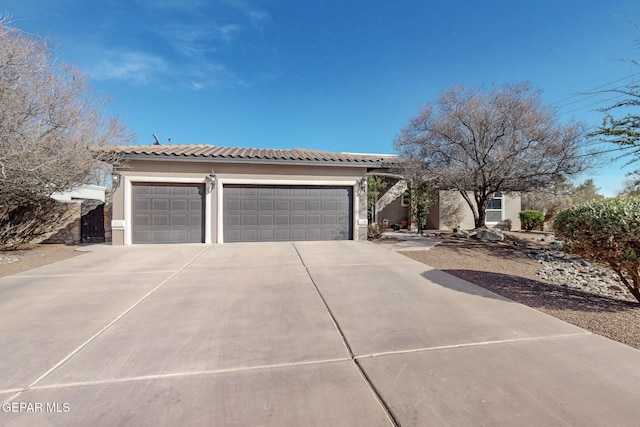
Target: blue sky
x: 331, y: 75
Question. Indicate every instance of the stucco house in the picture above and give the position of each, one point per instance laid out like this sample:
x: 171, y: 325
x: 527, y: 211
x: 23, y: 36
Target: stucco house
x: 449, y: 210
x: 210, y: 194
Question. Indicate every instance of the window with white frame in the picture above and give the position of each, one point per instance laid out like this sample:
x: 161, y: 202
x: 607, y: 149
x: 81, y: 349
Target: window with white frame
x: 493, y: 214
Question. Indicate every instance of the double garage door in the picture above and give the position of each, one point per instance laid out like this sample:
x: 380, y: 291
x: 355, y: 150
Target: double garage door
x: 174, y: 213
x: 254, y: 213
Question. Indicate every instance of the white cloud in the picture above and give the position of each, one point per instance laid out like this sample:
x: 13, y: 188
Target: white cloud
x: 189, y: 43
x: 206, y: 76
x: 137, y: 67
x: 174, y: 4
x: 202, y: 39
x: 228, y: 32
x: 255, y: 15
x: 140, y: 68
x: 188, y: 39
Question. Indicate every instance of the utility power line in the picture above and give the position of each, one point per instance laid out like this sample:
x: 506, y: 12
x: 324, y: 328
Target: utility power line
x: 611, y: 150
x: 587, y: 96
x: 589, y: 91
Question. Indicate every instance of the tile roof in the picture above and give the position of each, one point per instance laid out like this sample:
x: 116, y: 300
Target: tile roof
x: 296, y: 155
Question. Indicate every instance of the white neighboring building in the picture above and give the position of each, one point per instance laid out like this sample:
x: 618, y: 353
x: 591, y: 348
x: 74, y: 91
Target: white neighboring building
x: 86, y: 216
x: 86, y: 191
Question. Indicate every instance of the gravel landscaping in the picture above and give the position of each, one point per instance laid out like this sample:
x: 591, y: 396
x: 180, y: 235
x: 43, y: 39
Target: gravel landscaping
x: 530, y: 268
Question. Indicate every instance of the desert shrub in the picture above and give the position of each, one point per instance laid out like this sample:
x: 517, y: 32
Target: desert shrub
x: 30, y: 221
x: 396, y: 227
x: 531, y: 219
x: 504, y: 225
x: 55, y: 135
x: 375, y: 230
x: 607, y: 231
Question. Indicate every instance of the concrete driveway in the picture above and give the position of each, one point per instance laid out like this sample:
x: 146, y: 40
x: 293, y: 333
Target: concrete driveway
x: 292, y: 334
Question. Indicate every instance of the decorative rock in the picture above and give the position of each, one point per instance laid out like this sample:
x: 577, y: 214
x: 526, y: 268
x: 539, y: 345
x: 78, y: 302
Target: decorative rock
x: 490, y: 234
x: 563, y: 270
x: 462, y: 233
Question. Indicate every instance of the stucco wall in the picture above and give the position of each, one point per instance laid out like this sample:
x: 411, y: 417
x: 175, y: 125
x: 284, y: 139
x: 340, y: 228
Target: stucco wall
x: 117, y: 216
x: 452, y: 211
x: 511, y: 211
x: 197, y: 172
x: 394, y: 212
x: 513, y: 207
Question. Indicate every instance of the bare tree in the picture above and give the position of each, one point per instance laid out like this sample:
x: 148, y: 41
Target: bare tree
x: 621, y: 122
x: 52, y: 129
x: 586, y: 191
x: 630, y: 187
x: 550, y: 201
x: 482, y: 142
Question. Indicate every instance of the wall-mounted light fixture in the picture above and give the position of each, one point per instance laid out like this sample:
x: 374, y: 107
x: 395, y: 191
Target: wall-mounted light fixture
x: 363, y: 184
x: 211, y: 178
x: 115, y: 179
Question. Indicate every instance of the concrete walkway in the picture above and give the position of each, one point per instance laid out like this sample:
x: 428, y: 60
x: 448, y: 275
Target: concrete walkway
x: 292, y: 334
x: 403, y: 241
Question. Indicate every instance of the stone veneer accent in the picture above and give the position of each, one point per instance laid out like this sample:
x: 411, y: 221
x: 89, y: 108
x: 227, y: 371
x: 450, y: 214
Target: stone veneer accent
x: 71, y: 233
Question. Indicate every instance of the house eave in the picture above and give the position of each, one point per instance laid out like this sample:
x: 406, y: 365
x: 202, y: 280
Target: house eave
x: 385, y: 174
x: 254, y: 161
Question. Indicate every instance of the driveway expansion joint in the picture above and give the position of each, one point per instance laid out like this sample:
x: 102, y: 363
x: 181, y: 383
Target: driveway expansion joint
x: 35, y: 276
x: 374, y: 391
x: 474, y: 344
x: 101, y: 331
x: 172, y: 375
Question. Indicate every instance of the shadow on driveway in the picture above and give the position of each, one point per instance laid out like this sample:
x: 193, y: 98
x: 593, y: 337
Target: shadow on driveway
x: 538, y: 294
x: 444, y: 278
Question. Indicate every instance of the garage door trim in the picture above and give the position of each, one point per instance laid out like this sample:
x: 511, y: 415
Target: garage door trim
x: 128, y: 182
x: 315, y: 183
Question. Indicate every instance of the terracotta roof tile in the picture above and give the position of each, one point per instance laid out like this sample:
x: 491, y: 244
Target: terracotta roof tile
x: 230, y: 153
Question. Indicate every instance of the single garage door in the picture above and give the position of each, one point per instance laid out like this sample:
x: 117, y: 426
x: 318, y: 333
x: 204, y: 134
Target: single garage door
x: 256, y: 213
x: 168, y: 213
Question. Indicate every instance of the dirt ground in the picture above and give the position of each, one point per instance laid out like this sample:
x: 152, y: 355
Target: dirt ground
x: 506, y: 269
x: 33, y: 256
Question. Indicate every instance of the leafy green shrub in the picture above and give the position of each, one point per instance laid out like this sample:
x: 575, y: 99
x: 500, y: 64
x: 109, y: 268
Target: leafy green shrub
x: 397, y: 227
x: 607, y: 231
x: 531, y: 219
x: 421, y: 201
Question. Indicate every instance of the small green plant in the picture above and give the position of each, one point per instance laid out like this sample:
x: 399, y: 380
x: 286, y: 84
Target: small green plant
x: 607, y: 231
x: 531, y: 219
x: 396, y: 227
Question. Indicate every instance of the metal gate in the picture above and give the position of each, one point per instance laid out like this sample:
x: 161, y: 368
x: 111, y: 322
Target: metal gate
x: 92, y: 225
